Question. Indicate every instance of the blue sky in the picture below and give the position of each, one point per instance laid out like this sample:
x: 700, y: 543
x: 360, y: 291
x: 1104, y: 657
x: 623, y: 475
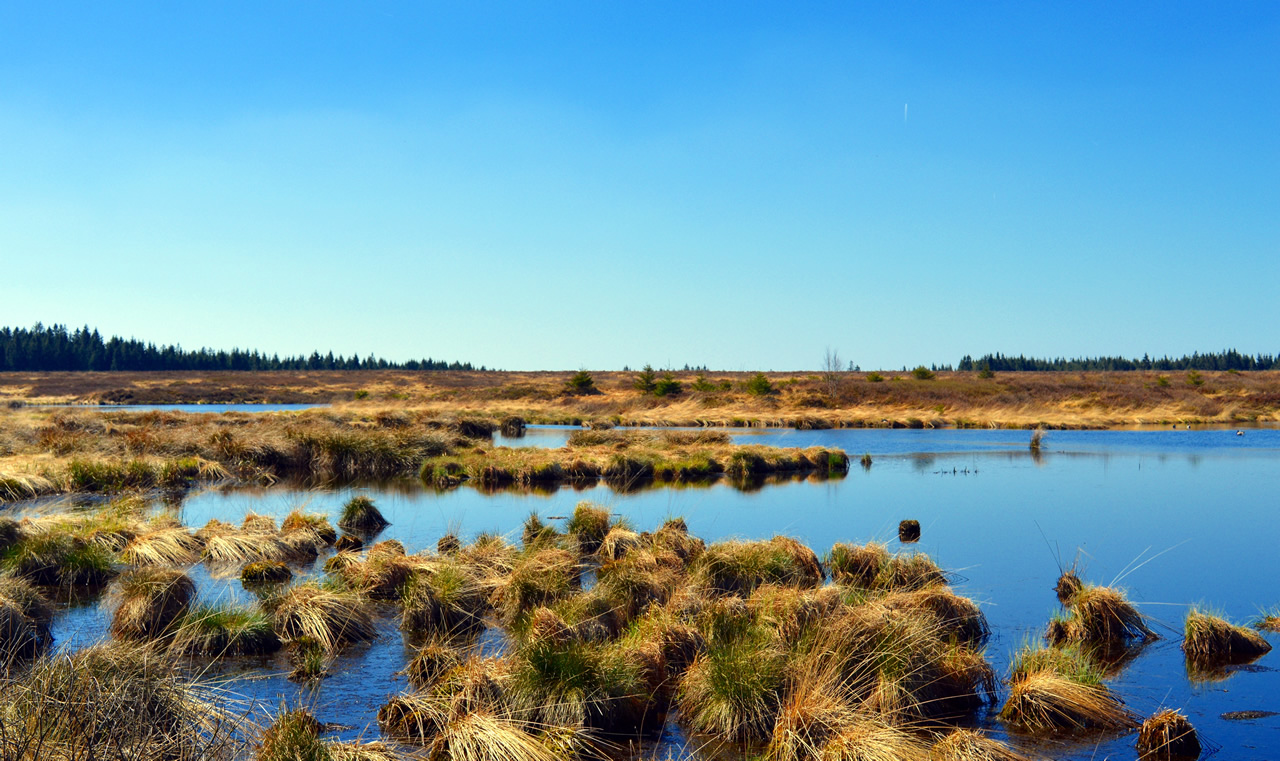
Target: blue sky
x: 564, y: 185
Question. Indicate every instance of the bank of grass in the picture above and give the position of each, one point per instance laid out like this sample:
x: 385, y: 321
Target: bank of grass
x: 626, y: 458
x: 961, y: 399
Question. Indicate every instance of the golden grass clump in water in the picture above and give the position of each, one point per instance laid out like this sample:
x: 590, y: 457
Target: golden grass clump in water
x: 292, y: 736
x: 536, y: 532
x: 361, y: 516
x: 901, y: 664
x: 566, y: 682
x: 473, y: 686
x: 908, y: 573
x: 956, y: 616
x: 449, y: 598
x: 65, y: 553
x: 737, y: 567
x: 542, y: 578
x: 968, y: 745
x: 1168, y: 736
x: 330, y: 618
x: 171, y: 545
x: 255, y: 523
x: 590, y: 524
x: 434, y: 659
x: 220, y: 630
x: 1212, y: 641
x: 873, y: 739
x: 1061, y: 689
x: 315, y: 524
x: 384, y: 573
x: 25, y: 616
x: 149, y: 601
x: 817, y: 708
x: 733, y: 688
x: 1068, y: 585
x: 1099, y: 615
x: 674, y: 537
x: 484, y: 736
x: 617, y: 543
x: 265, y: 572
x: 227, y: 545
x: 857, y: 565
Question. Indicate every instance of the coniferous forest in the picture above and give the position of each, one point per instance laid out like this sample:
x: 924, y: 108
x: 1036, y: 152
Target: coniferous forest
x: 55, y: 348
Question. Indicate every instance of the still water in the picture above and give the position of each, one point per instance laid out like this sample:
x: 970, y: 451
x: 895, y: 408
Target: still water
x: 1175, y: 517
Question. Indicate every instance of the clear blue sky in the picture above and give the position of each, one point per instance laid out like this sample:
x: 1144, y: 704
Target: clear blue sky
x: 595, y: 184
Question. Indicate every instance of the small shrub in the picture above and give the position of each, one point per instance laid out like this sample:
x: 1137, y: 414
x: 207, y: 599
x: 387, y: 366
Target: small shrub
x: 581, y: 382
x: 875, y: 378
x: 922, y: 373
x: 667, y: 386
x: 645, y: 380
x: 759, y: 385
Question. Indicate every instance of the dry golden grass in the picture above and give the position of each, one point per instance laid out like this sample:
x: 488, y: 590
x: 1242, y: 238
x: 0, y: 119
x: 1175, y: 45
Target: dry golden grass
x: 1212, y: 641
x: 330, y: 618
x: 172, y: 545
x: 968, y: 745
x: 1168, y: 736
x: 1068, y: 399
x: 1044, y: 701
x: 1098, y: 616
x: 149, y: 601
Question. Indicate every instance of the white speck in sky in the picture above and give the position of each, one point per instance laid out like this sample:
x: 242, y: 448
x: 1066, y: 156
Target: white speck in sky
x: 904, y: 113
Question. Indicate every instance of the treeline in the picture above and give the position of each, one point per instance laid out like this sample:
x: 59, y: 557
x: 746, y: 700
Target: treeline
x: 54, y: 348
x: 1224, y: 360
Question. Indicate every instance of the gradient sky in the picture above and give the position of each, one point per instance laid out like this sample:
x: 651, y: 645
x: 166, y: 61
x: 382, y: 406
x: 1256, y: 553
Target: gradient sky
x: 593, y: 184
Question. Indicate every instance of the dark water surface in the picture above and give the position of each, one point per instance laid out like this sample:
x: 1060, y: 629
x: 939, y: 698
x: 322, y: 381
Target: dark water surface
x: 1175, y: 517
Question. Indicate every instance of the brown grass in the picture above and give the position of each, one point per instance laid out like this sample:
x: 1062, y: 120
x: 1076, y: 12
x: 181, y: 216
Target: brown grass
x: 150, y: 601
x: 330, y: 618
x: 1168, y: 736
x: 1024, y: 400
x: 968, y: 745
x: 1212, y: 641
x: 1099, y: 616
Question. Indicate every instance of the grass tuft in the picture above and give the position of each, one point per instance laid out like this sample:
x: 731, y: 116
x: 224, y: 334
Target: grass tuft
x: 1168, y: 736
x: 1211, y: 642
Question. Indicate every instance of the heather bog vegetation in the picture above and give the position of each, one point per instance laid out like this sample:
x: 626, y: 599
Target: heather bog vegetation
x: 908, y: 398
